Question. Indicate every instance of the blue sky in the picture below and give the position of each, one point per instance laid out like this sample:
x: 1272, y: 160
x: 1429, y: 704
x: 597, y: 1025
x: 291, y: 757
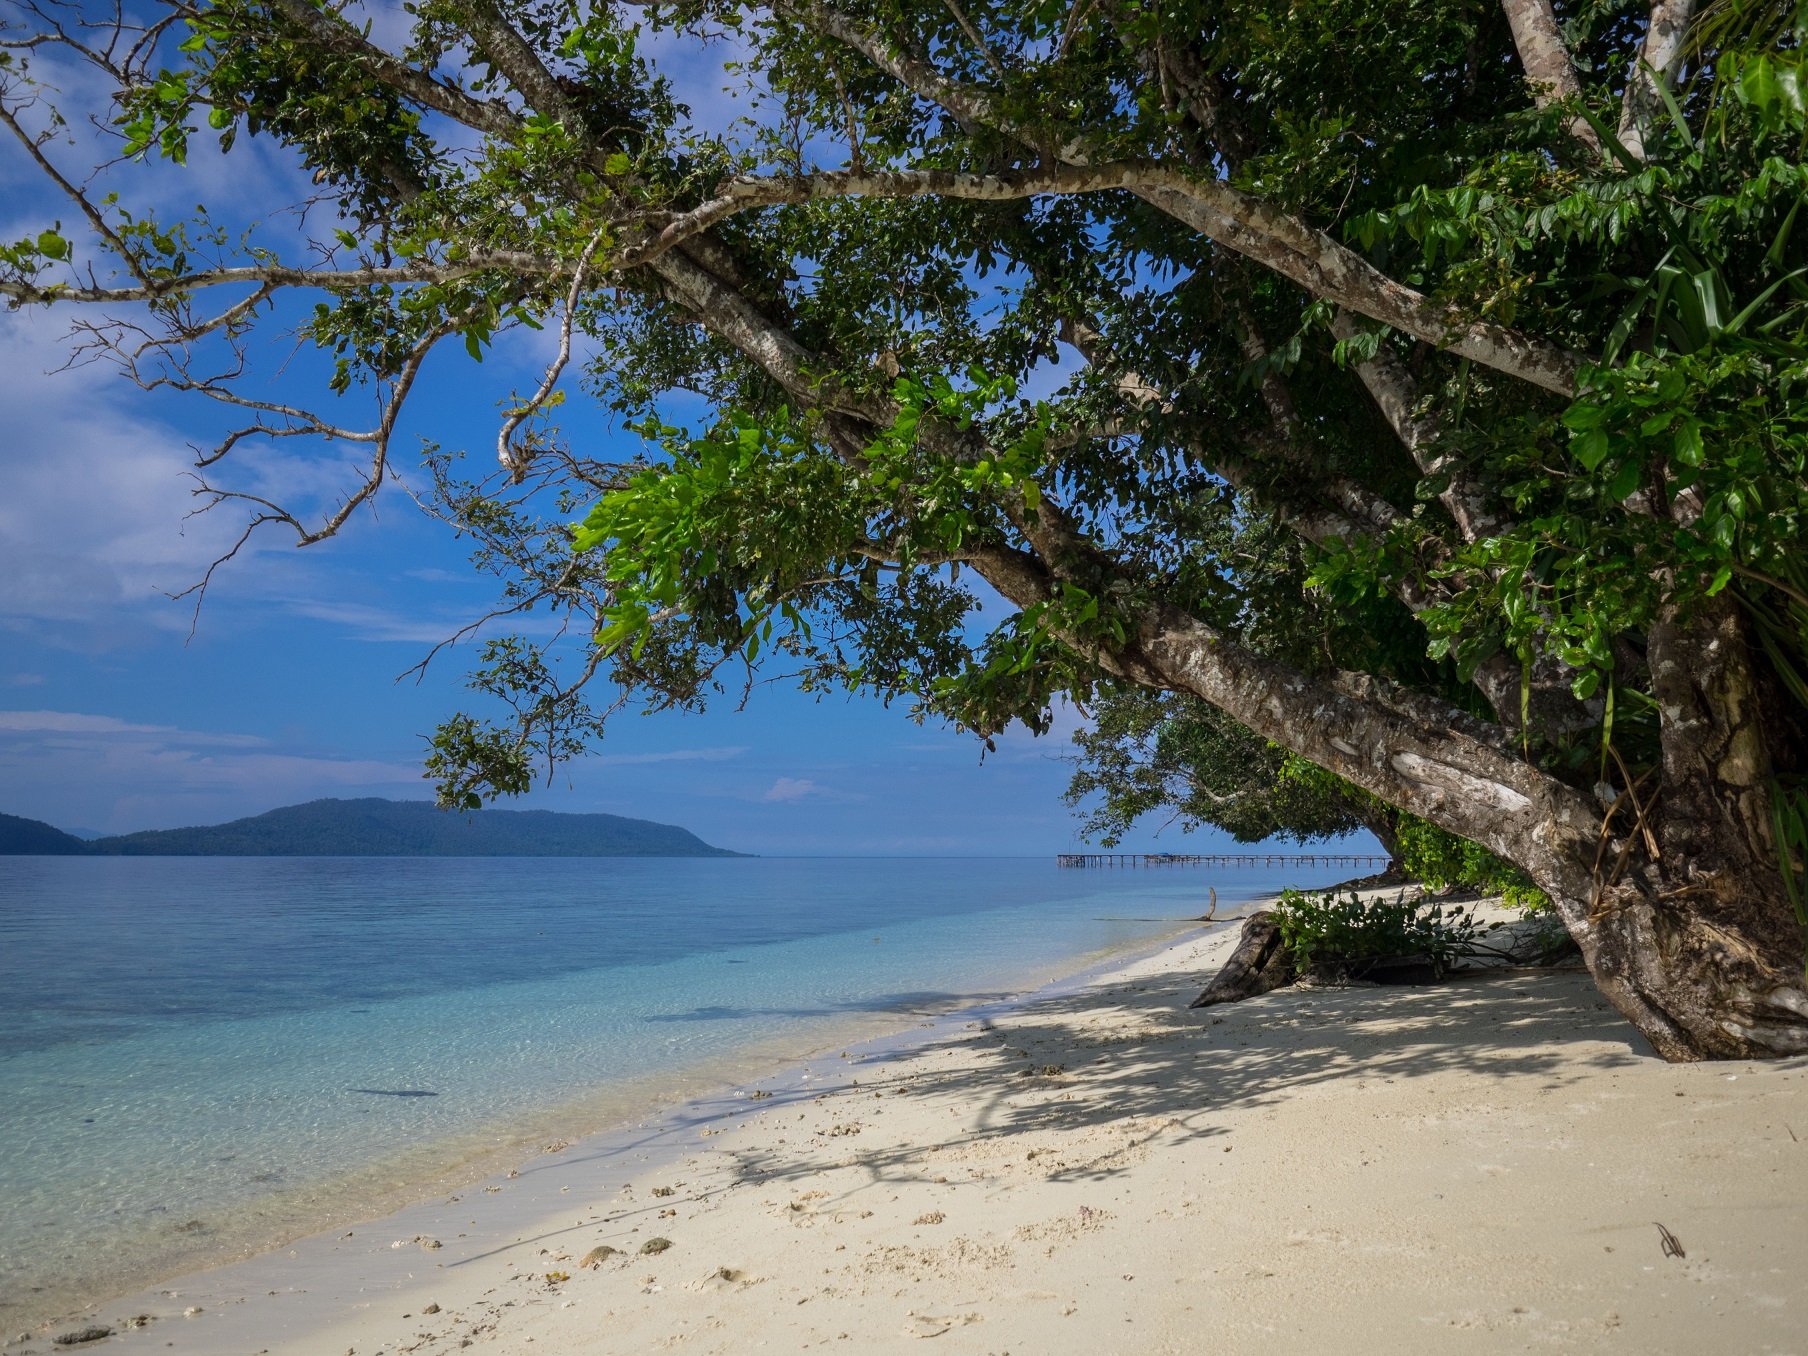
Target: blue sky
x: 114, y: 717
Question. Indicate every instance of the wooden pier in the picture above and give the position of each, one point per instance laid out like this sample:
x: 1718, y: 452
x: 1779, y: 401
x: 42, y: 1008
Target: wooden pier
x: 1281, y: 859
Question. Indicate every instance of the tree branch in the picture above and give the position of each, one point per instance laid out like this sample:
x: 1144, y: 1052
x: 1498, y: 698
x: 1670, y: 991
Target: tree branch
x: 498, y: 41
x: 1349, y: 512
x: 1396, y: 395
x: 336, y: 35
x: 1235, y: 219
x: 1278, y: 241
x: 75, y: 195
x: 973, y: 36
x: 1545, y: 57
x: 1655, y: 72
x: 514, y: 460
x: 267, y: 276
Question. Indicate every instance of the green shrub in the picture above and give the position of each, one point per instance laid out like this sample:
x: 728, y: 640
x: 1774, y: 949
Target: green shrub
x: 1441, y: 860
x: 1337, y: 934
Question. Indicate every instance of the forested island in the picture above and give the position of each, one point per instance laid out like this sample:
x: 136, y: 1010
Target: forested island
x: 21, y: 837
x: 373, y: 827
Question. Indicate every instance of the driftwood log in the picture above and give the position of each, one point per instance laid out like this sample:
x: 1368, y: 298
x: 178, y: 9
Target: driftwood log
x: 1259, y: 963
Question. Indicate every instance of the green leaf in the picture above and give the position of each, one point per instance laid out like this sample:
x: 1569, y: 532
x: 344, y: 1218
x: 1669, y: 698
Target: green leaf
x: 1758, y: 84
x: 1709, y: 292
x: 1590, y: 448
x: 1614, y: 145
x: 1677, y: 120
x: 1686, y: 445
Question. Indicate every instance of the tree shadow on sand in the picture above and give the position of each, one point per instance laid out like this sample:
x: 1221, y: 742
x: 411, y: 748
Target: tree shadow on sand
x: 1136, y: 1059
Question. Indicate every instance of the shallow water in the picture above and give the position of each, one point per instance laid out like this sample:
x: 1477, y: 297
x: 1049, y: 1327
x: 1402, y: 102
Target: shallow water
x: 199, y: 1056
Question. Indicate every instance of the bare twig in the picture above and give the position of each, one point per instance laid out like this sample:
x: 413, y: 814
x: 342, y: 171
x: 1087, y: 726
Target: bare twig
x: 973, y: 36
x: 1672, y: 1245
x: 514, y: 460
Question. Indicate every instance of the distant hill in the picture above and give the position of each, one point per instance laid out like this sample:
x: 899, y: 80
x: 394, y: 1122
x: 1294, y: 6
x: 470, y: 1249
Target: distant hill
x: 34, y: 838
x: 407, y: 828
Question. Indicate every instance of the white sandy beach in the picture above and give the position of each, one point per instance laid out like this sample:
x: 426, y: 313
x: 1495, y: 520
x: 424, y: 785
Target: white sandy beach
x: 1488, y: 1165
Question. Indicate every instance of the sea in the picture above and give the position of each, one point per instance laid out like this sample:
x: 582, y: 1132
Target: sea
x: 202, y: 1058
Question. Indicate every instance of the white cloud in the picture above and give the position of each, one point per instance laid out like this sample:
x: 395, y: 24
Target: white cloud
x: 716, y: 755
x: 120, y: 775
x: 366, y: 621
x: 432, y: 574
x: 71, y: 722
x: 362, y: 621
x: 99, y: 510
x: 80, y: 723
x: 27, y: 680
x: 791, y: 788
x: 98, y: 524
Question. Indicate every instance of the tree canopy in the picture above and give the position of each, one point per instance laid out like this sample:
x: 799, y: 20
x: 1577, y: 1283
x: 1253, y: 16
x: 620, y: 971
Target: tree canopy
x: 1418, y: 385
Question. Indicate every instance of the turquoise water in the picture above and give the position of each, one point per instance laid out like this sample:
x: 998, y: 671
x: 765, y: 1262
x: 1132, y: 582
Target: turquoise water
x: 199, y: 1056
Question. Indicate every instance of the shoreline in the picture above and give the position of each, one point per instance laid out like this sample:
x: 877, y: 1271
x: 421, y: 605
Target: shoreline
x: 618, y: 1120
x: 1101, y: 1169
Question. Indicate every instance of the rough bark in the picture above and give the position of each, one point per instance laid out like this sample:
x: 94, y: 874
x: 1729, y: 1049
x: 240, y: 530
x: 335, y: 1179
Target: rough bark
x: 1260, y: 963
x: 1642, y: 104
x: 1699, y: 946
x: 1382, y: 823
x: 1546, y: 59
x: 1396, y: 395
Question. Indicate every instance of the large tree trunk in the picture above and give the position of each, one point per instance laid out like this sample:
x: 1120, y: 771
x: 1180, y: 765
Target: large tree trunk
x: 1383, y: 823
x: 1694, y: 942
x: 1698, y: 944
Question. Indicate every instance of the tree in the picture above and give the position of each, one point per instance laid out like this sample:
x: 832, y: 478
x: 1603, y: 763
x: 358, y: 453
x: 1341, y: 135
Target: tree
x: 1156, y: 752
x: 1500, y: 317
x: 1162, y: 753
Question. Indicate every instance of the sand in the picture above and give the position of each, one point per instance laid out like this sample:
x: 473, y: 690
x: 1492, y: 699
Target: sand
x: 1495, y: 1164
